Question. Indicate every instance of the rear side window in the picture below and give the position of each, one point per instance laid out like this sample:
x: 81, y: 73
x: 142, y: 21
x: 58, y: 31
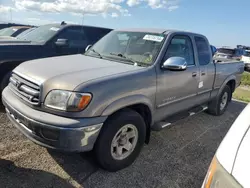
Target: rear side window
x: 203, y: 50
x: 94, y: 34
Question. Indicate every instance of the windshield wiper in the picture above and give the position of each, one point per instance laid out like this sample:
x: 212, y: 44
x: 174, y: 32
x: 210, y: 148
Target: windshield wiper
x: 92, y: 50
x: 127, y: 58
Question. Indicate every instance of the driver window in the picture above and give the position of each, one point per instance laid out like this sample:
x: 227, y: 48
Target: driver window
x: 181, y: 46
x: 75, y: 35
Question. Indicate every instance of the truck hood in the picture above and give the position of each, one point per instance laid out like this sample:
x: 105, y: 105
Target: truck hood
x: 6, y: 37
x: 223, y: 54
x: 67, y: 72
x: 12, y: 40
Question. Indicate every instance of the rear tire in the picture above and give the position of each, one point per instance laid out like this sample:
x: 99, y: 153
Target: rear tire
x: 219, y: 105
x: 115, y: 148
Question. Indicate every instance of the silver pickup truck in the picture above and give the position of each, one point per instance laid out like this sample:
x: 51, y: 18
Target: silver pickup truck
x: 111, y: 97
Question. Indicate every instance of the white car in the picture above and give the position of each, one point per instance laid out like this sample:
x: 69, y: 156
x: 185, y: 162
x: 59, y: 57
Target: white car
x: 230, y: 167
x: 246, y: 59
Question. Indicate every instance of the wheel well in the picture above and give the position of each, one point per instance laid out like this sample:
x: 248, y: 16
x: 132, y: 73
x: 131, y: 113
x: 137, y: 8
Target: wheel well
x: 5, y: 70
x: 145, y: 112
x: 6, y: 67
x: 231, y: 84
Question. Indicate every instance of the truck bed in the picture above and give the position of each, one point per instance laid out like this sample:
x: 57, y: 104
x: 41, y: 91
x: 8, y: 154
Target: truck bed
x: 226, y: 69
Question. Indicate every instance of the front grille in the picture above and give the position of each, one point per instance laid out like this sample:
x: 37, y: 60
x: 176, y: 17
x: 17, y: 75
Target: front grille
x: 25, y: 89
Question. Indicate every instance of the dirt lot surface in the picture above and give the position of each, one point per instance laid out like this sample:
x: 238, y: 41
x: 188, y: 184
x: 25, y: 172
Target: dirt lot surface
x: 176, y: 157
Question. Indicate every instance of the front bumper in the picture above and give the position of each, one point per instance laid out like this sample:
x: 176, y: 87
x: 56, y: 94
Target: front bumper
x: 73, y: 135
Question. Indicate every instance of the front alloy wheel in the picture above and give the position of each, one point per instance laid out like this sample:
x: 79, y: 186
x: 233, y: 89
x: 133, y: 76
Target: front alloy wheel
x: 120, y: 141
x: 124, y: 142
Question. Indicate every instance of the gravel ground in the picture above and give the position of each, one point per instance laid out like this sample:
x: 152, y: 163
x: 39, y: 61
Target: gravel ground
x: 176, y: 157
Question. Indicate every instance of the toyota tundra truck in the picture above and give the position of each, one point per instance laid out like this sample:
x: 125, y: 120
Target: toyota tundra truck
x: 110, y: 98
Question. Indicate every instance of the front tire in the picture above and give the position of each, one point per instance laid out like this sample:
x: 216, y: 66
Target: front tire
x: 120, y: 140
x: 219, y: 105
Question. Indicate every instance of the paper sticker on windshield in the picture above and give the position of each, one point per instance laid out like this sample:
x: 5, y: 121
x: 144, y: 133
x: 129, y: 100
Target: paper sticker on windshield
x: 153, y: 38
x: 54, y: 28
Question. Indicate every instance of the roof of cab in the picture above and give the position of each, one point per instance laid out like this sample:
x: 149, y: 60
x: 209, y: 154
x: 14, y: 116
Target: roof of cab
x: 63, y: 25
x: 155, y: 30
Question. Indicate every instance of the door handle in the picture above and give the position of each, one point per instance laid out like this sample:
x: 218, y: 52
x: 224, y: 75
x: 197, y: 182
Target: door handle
x: 194, y: 74
x: 203, y: 73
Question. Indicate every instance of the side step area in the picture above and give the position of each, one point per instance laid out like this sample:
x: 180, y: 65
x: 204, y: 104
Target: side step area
x: 174, y: 118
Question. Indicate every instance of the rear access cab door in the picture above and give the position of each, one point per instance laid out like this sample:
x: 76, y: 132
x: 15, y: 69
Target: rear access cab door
x: 206, y: 68
x: 177, y: 90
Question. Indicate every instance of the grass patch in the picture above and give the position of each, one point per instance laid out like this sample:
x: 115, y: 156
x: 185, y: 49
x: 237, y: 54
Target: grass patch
x: 242, y: 94
x: 245, y: 80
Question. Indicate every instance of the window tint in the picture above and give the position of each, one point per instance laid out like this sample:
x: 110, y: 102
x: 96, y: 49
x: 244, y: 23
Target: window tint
x: 72, y: 34
x: 181, y: 46
x: 94, y: 34
x: 75, y: 35
x: 203, y: 50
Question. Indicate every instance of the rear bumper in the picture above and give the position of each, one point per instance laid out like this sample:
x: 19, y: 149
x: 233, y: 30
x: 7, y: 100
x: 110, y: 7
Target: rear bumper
x: 81, y: 137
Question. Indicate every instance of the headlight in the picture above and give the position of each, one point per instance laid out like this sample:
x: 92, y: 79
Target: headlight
x: 67, y: 101
x: 218, y: 177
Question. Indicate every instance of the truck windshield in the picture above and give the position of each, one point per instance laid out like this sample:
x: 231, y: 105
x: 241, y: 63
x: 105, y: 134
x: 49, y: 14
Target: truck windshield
x: 41, y: 34
x: 24, y: 33
x: 226, y: 51
x: 7, y: 31
x: 132, y: 47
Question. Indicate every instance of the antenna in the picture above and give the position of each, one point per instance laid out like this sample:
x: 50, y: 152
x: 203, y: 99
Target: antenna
x: 63, y: 23
x: 10, y: 15
x: 82, y: 18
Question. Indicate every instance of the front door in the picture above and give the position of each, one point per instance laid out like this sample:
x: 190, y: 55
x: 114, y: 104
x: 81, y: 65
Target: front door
x: 76, y: 41
x: 176, y: 90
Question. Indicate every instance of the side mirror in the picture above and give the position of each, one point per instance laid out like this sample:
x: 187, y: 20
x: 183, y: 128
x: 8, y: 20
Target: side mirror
x: 88, y: 47
x: 213, y: 49
x: 175, y: 64
x: 62, y: 42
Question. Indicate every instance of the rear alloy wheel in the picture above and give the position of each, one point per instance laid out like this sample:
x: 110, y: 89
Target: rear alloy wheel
x: 224, y: 101
x: 219, y: 105
x: 120, y: 140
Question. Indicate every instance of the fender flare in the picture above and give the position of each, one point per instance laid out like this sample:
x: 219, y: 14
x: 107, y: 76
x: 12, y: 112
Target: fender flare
x: 228, y: 79
x: 125, y: 102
